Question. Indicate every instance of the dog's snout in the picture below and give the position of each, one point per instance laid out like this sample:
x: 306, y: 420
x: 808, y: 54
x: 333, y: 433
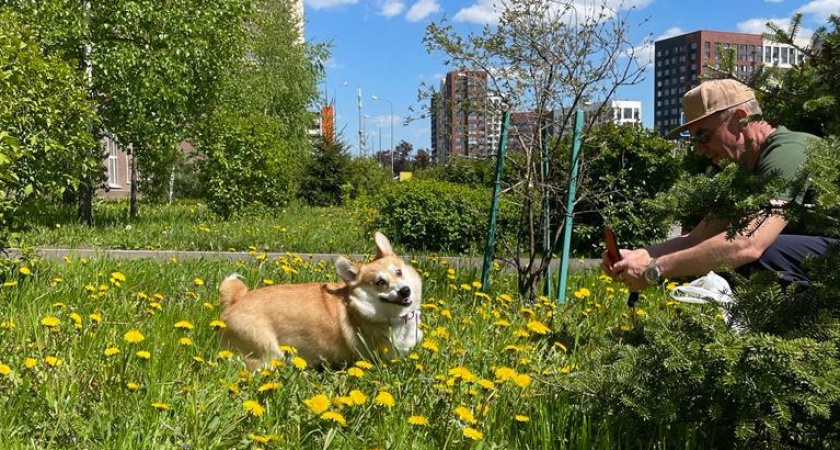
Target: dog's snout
x: 405, y: 292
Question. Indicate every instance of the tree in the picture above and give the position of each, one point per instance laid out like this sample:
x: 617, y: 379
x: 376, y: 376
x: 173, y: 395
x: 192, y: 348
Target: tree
x: 423, y: 159
x: 546, y: 57
x: 402, y: 156
x: 46, y: 143
x: 326, y: 174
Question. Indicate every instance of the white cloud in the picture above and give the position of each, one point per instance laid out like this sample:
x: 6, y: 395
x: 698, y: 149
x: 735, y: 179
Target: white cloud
x: 482, y: 12
x: 327, y: 4
x: 392, y: 8
x: 421, y: 10
x: 332, y: 63
x: 488, y: 11
x: 821, y: 9
x: 759, y: 26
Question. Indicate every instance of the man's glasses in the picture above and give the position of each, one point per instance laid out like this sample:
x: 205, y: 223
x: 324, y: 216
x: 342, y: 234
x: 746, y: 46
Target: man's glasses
x: 701, y: 136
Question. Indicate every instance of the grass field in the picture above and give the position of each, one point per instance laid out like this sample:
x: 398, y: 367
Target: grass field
x: 124, y: 354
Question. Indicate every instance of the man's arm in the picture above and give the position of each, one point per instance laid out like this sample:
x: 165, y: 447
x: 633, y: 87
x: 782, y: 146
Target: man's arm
x: 700, y: 251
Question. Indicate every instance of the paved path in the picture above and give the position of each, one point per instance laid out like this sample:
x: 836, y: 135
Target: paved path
x: 456, y: 261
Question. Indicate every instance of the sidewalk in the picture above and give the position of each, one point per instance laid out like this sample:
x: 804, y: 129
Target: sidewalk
x: 455, y: 261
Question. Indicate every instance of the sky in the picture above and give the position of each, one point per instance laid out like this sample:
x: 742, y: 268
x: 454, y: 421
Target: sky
x: 377, y: 46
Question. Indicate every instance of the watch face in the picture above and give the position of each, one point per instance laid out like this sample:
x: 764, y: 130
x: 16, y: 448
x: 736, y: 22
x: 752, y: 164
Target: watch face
x: 652, y: 274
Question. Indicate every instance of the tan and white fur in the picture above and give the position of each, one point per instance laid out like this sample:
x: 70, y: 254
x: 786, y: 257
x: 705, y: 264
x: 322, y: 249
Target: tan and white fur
x: 375, y: 310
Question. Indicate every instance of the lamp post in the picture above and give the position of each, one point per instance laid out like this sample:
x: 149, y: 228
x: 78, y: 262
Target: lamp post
x: 391, y: 119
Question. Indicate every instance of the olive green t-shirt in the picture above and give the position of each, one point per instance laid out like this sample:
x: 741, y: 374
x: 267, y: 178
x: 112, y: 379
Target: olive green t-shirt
x: 784, y: 153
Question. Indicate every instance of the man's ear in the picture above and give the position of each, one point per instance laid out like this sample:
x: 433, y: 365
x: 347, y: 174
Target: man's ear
x: 742, y: 116
x: 383, y: 246
x: 345, y: 269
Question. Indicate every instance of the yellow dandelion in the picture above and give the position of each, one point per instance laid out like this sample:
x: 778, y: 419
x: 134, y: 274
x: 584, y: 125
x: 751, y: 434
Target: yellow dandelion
x: 198, y: 359
x: 538, y: 327
x: 358, y: 397
x: 5, y: 370
x: 288, y: 349
x: 25, y: 270
x: 198, y: 282
x: 10, y: 283
x: 118, y: 276
x: 355, y: 372
x: 364, y: 365
x: 253, y: 408
x: 384, y: 399
x: 472, y: 433
x: 502, y: 323
x: 560, y: 346
x: 463, y: 373
x: 504, y: 373
x: 8, y: 324
x: 50, y: 321
x: 464, y: 414
x: 183, y: 325
x: 299, y: 363
x: 30, y: 363
x: 96, y: 317
x: 418, y: 420
x: 466, y: 287
x: 111, y: 351
x: 160, y: 406
x: 522, y: 418
x: 218, y: 324
x: 134, y: 336
x: 185, y: 341
x: 318, y: 403
x: 522, y: 380
x: 640, y: 313
x: 225, y: 354
x: 334, y: 417
x: 270, y: 386
x: 672, y: 285
x: 53, y: 361
x: 429, y: 344
x: 132, y: 386
x: 522, y: 333
x: 143, y: 354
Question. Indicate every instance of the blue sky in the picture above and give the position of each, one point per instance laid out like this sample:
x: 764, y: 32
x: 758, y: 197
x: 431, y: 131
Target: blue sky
x: 377, y: 46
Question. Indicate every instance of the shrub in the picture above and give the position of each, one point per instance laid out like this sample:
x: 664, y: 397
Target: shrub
x: 326, y: 172
x: 623, y: 167
x: 432, y: 215
x: 366, y: 178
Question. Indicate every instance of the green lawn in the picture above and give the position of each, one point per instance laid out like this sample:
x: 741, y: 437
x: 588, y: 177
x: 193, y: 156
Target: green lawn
x: 488, y: 375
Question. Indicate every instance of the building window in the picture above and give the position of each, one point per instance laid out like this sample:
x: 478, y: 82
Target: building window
x: 113, y: 167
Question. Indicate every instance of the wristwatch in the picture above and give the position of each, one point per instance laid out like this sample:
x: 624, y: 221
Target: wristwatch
x: 652, y: 274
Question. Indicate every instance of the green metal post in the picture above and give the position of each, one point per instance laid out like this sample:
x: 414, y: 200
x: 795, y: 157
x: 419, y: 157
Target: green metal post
x: 494, y: 206
x: 547, y: 289
x: 570, y: 206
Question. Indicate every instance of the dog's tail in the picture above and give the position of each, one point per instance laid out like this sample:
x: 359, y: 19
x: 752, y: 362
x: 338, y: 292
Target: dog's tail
x: 231, y: 290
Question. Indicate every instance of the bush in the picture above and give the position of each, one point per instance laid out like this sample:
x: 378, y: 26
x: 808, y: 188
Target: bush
x: 327, y: 171
x: 623, y: 167
x: 366, y: 178
x: 472, y: 172
x: 432, y: 215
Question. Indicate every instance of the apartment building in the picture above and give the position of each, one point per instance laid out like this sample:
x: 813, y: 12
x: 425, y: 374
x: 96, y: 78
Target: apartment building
x: 619, y: 112
x: 465, y: 117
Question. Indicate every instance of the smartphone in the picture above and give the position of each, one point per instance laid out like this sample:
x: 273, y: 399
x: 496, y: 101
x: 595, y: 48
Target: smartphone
x: 612, y: 246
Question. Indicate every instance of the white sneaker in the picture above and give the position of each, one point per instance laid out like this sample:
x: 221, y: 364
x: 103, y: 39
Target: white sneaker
x: 711, y: 288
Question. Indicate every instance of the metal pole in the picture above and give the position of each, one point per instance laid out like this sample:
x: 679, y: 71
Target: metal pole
x: 361, y: 144
x: 570, y: 206
x: 547, y: 209
x: 391, y: 106
x: 494, y: 206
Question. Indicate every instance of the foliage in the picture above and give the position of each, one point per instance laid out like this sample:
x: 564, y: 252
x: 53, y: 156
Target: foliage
x: 246, y: 166
x: 366, y: 178
x: 326, y: 173
x: 471, y: 172
x: 805, y: 97
x: 547, y: 58
x: 45, y: 126
x: 432, y: 215
x: 623, y: 168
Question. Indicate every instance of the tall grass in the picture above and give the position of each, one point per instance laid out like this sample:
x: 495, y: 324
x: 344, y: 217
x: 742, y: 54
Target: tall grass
x: 486, y: 376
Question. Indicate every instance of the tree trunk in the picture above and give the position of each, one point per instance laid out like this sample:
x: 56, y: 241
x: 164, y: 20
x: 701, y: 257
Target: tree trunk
x: 132, y: 211
x: 85, y: 202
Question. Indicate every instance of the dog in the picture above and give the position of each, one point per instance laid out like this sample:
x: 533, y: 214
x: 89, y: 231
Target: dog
x: 376, y: 310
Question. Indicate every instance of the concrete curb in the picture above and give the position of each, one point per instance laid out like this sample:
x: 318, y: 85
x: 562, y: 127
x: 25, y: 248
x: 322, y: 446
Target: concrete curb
x: 455, y: 261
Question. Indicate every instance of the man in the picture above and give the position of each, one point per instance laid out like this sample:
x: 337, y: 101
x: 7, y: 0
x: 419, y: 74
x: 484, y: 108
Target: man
x: 723, y: 118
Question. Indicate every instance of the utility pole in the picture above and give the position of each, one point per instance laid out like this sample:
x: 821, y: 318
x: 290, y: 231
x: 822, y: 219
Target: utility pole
x: 361, y: 131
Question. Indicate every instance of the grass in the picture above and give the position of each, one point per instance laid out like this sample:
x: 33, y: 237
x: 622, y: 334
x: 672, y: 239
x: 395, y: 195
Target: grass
x: 191, y: 226
x: 486, y: 375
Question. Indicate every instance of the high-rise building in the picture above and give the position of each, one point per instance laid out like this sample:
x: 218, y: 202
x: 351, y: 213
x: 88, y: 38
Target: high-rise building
x: 682, y: 60
x: 465, y: 118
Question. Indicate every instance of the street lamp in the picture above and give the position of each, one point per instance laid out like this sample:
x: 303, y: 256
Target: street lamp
x: 391, y: 118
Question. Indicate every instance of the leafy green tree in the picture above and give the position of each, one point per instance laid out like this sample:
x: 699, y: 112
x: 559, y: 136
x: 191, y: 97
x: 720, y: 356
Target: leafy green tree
x: 46, y: 143
x: 546, y: 57
x: 327, y: 172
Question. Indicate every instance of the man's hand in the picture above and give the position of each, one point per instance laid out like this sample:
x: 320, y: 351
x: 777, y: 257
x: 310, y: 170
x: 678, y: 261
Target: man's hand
x: 630, y: 270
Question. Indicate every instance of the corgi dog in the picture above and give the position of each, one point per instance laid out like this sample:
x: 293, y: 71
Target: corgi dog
x: 375, y: 310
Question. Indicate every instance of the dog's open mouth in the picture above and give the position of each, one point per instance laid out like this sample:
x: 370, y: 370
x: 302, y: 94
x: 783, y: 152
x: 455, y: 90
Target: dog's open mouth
x: 399, y: 301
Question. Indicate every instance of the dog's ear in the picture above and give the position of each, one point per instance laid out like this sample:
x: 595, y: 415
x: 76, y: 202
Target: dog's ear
x: 345, y: 269
x: 383, y: 246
